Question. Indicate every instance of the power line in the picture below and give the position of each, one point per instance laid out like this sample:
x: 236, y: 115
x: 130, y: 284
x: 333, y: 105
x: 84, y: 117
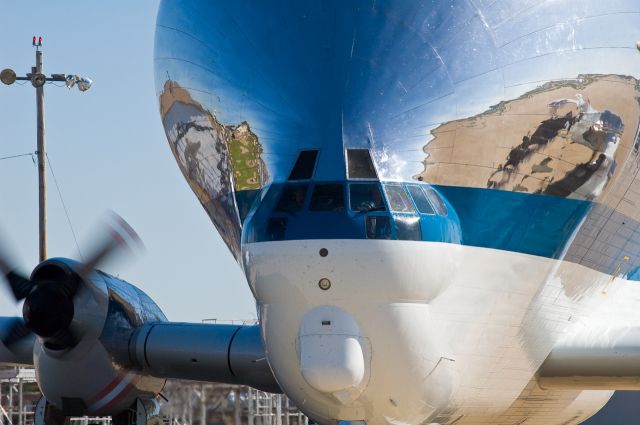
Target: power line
x: 17, y: 156
x: 64, y: 207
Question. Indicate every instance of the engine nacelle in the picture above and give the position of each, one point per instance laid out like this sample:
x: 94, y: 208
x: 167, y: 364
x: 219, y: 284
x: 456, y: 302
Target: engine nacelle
x: 94, y: 374
x: 231, y: 354
x: 86, y: 380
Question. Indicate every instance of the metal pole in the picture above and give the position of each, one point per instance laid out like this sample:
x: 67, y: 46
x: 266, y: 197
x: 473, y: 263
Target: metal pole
x: 42, y: 178
x: 11, y: 402
x: 20, y: 403
x: 286, y: 411
x: 1, y: 408
x: 250, y: 401
x: 38, y: 79
x: 236, y: 407
x: 279, y: 409
x: 203, y: 405
x: 190, y: 404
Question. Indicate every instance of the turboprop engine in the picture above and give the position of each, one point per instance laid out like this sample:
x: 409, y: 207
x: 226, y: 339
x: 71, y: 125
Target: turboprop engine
x: 75, y: 327
x: 101, y: 346
x: 81, y: 348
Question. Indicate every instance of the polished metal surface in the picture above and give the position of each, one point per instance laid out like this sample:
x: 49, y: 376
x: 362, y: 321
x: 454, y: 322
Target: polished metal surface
x: 532, y: 97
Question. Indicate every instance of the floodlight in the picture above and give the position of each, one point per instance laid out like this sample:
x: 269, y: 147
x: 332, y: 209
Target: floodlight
x: 83, y: 83
x: 8, y: 76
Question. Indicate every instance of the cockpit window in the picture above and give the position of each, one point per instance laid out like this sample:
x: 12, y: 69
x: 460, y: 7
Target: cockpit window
x: 378, y: 227
x: 398, y: 199
x: 304, y: 166
x: 420, y: 199
x: 276, y: 228
x: 360, y: 165
x: 292, y: 198
x: 366, y: 197
x: 435, y: 199
x: 327, y: 197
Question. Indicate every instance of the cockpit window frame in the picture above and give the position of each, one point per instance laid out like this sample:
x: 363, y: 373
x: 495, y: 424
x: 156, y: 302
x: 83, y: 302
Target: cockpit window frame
x: 437, y: 201
x: 362, y: 183
x: 295, y: 163
x: 312, y: 194
x: 412, y: 197
x: 373, y: 165
x: 407, y: 197
x: 285, y: 190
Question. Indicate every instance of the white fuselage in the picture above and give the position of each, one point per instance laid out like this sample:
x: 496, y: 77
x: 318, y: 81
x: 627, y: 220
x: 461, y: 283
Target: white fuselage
x: 446, y: 332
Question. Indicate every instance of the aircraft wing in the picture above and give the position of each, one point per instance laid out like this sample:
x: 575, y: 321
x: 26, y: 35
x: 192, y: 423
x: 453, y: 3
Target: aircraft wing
x: 600, y: 359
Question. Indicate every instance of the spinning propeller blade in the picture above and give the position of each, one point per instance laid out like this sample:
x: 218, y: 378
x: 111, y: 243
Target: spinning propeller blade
x: 16, y: 332
x: 48, y: 308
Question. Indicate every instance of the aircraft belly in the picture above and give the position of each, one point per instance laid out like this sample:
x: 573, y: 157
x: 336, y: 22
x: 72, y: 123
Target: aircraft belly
x: 454, y: 333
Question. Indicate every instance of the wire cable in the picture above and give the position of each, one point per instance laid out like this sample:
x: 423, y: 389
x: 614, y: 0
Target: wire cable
x: 16, y: 156
x: 64, y: 207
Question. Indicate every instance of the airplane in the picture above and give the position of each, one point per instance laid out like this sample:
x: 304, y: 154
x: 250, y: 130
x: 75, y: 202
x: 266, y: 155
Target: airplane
x: 434, y: 204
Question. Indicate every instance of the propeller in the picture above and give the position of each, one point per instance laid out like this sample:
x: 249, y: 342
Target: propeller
x: 48, y: 307
x: 16, y: 332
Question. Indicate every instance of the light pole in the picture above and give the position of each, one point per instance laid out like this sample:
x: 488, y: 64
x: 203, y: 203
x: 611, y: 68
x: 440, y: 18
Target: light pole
x: 38, y: 79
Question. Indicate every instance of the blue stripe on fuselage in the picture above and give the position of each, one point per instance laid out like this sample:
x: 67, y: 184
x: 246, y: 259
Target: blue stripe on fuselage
x: 512, y: 221
x: 515, y: 221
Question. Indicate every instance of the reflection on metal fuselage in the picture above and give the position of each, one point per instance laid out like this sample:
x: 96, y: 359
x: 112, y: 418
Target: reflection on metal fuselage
x: 501, y: 206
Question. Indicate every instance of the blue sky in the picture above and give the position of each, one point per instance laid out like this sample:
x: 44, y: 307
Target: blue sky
x: 108, y: 152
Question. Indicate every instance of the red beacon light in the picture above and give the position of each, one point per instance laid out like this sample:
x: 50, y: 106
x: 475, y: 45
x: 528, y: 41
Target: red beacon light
x: 33, y: 43
x: 39, y: 41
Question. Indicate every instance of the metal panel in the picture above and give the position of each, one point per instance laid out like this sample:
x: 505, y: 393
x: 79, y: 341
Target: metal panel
x: 606, y: 360
x: 203, y: 352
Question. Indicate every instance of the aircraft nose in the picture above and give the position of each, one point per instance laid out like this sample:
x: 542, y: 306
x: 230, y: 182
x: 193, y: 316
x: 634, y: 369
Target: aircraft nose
x: 332, y: 356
